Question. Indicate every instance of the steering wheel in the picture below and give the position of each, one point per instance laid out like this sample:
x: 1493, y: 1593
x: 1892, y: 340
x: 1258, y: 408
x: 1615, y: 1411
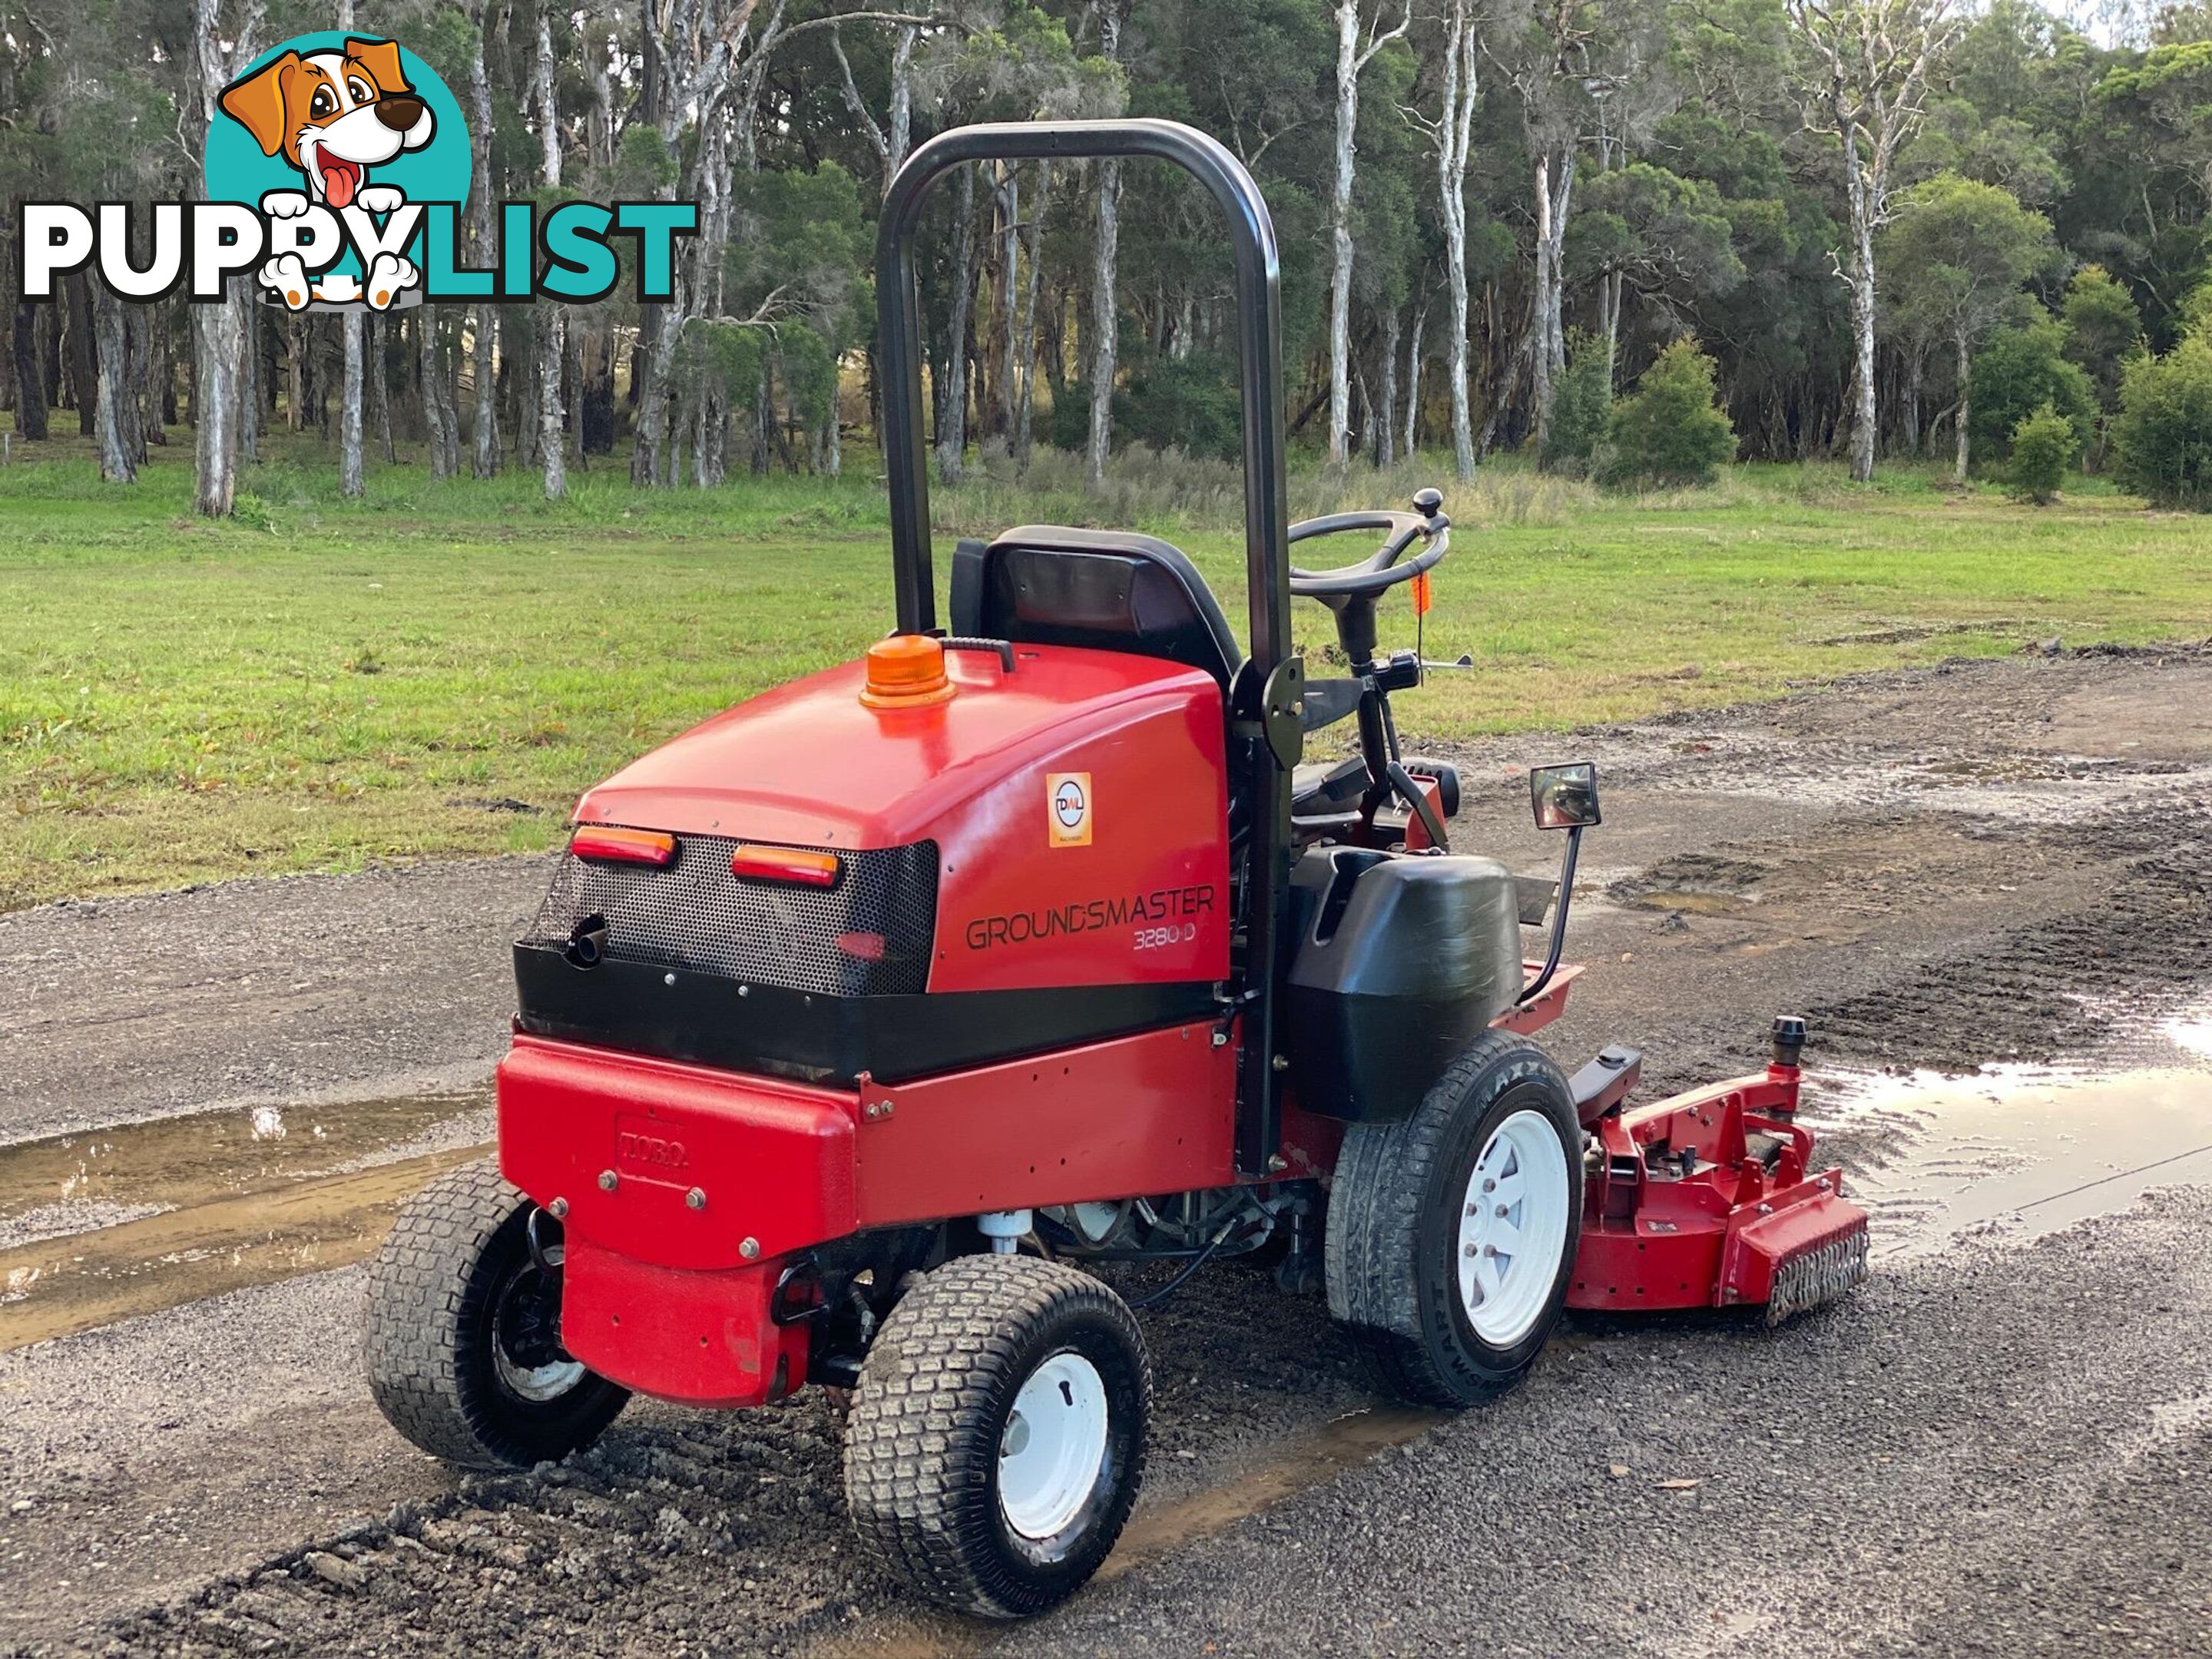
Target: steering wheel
x: 1381, y: 570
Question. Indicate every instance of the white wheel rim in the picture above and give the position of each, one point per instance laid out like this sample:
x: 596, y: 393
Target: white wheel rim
x: 1053, y: 1446
x: 1513, y: 1228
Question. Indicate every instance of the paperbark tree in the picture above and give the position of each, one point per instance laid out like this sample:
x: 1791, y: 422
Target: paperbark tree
x: 1453, y: 132
x: 1867, y: 68
x: 83, y: 359
x: 485, y: 340
x: 895, y: 136
x: 1104, y: 311
x: 1413, y: 378
x: 353, y: 331
x: 117, y: 464
x: 218, y: 55
x: 1351, y: 61
x: 552, y: 323
x: 952, y: 403
x: 444, y: 444
x: 1026, y: 324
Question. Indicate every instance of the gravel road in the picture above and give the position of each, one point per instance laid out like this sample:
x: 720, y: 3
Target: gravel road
x: 1997, y: 1446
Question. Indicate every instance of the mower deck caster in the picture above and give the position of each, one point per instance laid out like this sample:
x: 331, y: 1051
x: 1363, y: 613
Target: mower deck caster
x: 463, y: 1338
x: 1452, y: 1233
x: 997, y: 1439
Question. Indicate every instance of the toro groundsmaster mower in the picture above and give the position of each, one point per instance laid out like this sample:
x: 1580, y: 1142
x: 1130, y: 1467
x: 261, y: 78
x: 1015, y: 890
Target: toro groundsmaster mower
x: 863, y: 1016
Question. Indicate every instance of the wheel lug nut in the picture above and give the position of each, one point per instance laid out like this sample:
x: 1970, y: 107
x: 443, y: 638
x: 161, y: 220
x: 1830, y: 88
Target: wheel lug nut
x: 1499, y: 1212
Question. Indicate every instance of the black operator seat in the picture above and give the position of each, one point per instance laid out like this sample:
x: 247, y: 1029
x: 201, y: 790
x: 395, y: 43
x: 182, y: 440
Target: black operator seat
x: 1109, y: 590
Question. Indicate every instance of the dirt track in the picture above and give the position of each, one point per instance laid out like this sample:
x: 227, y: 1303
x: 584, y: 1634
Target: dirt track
x: 2001, y: 1446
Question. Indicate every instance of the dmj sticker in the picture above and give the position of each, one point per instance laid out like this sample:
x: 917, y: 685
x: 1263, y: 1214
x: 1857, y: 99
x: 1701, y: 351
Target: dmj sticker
x: 1068, y: 797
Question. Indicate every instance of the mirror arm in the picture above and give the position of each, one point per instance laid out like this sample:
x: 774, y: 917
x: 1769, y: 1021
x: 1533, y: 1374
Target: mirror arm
x: 1534, y: 988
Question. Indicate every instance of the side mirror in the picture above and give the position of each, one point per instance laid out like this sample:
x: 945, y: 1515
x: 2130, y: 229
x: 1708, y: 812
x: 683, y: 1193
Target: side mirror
x: 1564, y: 797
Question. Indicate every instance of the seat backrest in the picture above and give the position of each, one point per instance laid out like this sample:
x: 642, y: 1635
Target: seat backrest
x: 1108, y: 589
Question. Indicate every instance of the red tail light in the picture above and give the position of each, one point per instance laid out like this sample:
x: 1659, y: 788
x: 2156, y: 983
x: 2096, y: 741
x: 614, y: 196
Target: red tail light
x: 624, y: 846
x: 786, y: 864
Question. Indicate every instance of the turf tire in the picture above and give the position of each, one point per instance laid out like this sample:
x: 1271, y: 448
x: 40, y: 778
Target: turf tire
x: 1393, y: 1226
x: 922, y: 1444
x: 457, y: 1248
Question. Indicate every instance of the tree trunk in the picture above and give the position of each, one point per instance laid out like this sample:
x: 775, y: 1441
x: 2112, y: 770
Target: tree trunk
x: 552, y: 352
x: 1104, y: 308
x: 1414, y: 380
x: 1103, y: 311
x: 1860, y: 210
x: 1009, y: 275
x: 249, y: 372
x: 552, y: 321
x: 354, y: 327
x: 444, y: 446
x: 1461, y: 96
x: 595, y: 399
x: 221, y: 349
x: 1916, y: 356
x: 1966, y: 406
x: 83, y: 371
x: 650, y: 462
x: 376, y: 342
x: 952, y: 421
x: 484, y: 451
x: 1026, y: 328
x: 1339, y: 230
x: 161, y: 390
x: 117, y: 464
x: 132, y: 325
x: 295, y: 370
x: 1386, y: 431
x: 30, y: 377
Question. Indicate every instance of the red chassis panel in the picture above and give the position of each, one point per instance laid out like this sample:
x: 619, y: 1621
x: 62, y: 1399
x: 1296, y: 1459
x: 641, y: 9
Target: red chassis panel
x: 1680, y: 1213
x: 1154, y: 1113
x: 668, y: 1293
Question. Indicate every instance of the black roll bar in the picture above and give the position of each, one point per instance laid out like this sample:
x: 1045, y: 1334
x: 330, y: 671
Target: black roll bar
x: 898, y: 351
x: 1264, y: 700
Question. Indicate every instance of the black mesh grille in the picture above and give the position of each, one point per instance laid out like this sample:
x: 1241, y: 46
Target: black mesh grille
x: 870, y: 935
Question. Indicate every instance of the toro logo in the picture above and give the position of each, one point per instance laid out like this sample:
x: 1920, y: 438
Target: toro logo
x: 640, y: 1149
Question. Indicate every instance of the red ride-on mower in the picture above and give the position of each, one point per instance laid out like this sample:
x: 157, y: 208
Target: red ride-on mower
x: 863, y: 1017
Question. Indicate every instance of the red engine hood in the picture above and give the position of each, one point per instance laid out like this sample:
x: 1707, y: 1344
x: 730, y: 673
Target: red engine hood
x: 809, y: 764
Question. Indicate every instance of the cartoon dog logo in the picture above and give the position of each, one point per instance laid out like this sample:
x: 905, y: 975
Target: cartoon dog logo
x: 334, y: 115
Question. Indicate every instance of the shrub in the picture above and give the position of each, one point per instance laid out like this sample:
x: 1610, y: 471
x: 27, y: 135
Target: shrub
x: 1669, y: 430
x: 2043, y: 444
x: 1582, y: 405
x: 2017, y: 372
x: 2163, y: 432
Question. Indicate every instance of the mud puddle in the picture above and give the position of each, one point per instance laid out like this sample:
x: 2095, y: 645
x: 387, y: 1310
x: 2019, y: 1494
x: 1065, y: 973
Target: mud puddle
x: 100, y: 1226
x: 2020, y: 1151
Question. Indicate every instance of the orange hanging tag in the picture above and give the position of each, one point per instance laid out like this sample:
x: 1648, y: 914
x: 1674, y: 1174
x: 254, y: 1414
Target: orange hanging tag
x: 1424, y: 595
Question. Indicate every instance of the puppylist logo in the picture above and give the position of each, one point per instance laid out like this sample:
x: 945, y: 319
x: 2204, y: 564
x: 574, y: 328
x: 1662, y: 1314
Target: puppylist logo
x: 337, y: 171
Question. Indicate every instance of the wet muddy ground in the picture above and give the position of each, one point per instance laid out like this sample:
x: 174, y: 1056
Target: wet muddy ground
x: 1988, y: 888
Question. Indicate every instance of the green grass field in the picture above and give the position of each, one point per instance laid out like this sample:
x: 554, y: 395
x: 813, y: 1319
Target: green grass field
x: 322, y: 684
